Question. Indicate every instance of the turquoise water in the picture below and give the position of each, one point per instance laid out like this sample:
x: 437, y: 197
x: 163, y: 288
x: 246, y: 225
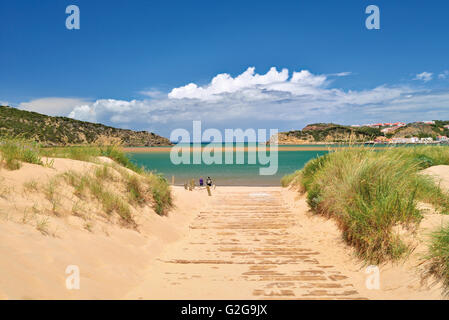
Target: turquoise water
x: 224, y: 174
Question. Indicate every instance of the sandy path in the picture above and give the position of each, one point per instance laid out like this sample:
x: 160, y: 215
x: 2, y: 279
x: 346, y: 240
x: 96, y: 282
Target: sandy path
x: 245, y: 245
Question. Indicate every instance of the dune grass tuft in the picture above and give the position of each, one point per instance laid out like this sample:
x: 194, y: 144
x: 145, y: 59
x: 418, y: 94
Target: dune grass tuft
x: 439, y: 255
x: 369, y: 191
x: 31, y: 186
x: 110, y: 201
x: 135, y: 189
x: 15, y: 151
x: 289, y: 179
x: 51, y: 193
x: 160, y: 190
x: 42, y: 226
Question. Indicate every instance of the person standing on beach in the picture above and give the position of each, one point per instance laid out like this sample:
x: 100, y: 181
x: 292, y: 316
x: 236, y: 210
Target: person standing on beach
x: 209, y: 181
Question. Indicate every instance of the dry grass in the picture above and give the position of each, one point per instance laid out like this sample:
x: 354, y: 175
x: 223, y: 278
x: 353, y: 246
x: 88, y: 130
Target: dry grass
x: 31, y: 186
x: 51, y: 193
x: 95, y: 185
x: 42, y: 226
x: 439, y: 255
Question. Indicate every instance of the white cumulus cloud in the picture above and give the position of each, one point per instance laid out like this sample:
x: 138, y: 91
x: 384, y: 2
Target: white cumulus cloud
x: 252, y: 85
x: 443, y: 75
x: 275, y: 99
x: 53, y: 106
x: 424, y: 76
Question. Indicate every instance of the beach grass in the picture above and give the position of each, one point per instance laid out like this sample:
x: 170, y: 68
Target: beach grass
x: 110, y: 201
x: 140, y: 185
x: 160, y: 190
x: 135, y: 188
x: 90, y: 154
x: 439, y: 255
x: 290, y: 179
x: 42, y: 226
x: 15, y: 151
x: 368, y: 192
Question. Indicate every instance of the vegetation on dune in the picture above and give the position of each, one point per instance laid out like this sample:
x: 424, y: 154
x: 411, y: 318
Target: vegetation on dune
x: 439, y: 255
x: 140, y: 186
x: 370, y: 191
x: 15, y: 151
x: 94, y: 185
x: 90, y: 153
x: 160, y: 191
x: 290, y: 179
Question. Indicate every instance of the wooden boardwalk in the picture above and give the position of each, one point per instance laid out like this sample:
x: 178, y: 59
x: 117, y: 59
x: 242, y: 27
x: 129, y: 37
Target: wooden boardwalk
x: 243, y: 247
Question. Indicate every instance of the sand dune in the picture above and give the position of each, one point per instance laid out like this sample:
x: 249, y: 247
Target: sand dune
x: 111, y: 257
x: 241, y: 243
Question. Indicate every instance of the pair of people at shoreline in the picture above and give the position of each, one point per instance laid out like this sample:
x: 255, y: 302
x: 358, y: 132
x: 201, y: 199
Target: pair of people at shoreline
x: 191, y: 185
x: 208, y: 182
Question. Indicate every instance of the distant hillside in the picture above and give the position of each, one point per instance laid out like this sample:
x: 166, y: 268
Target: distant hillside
x: 422, y: 130
x: 335, y: 133
x: 328, y: 133
x: 59, y: 131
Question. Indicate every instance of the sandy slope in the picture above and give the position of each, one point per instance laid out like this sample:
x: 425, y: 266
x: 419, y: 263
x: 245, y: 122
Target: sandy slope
x: 111, y: 257
x: 407, y: 279
x: 402, y: 280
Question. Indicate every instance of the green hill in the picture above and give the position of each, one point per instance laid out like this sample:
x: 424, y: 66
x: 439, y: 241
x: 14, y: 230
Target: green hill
x: 329, y: 133
x: 61, y: 131
x: 336, y: 133
x: 423, y: 130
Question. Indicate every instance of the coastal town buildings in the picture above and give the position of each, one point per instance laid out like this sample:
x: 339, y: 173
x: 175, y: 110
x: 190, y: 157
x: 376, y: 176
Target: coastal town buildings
x: 388, y: 129
x: 381, y: 124
x: 404, y: 140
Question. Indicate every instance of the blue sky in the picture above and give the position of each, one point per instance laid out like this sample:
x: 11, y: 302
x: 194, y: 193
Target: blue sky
x: 129, y: 63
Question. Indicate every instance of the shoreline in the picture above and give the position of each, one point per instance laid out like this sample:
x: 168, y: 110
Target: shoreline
x: 281, y: 147
x: 245, y: 149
